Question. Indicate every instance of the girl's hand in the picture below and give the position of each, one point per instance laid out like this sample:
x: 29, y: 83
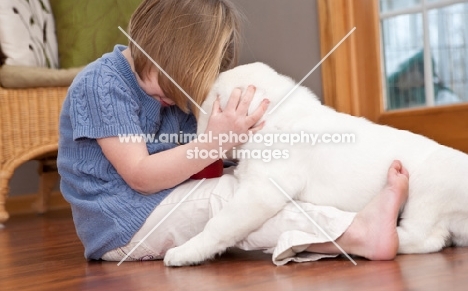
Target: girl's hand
x: 234, y: 119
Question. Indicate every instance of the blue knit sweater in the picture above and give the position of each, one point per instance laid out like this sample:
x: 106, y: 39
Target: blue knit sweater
x: 105, y: 100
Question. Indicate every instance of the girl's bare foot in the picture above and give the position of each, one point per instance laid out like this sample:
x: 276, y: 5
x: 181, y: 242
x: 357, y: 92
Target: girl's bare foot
x: 373, y: 234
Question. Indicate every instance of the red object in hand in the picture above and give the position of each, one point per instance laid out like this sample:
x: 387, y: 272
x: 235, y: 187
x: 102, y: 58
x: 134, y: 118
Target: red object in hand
x: 213, y: 170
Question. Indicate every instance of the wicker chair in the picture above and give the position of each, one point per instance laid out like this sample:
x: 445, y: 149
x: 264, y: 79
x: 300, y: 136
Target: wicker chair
x: 29, y: 130
x: 29, y: 117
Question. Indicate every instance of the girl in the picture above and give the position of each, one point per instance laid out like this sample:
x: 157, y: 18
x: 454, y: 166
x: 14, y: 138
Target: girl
x: 120, y: 188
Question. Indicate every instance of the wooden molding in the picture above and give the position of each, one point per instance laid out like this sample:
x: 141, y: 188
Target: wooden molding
x: 24, y: 203
x: 447, y: 125
x: 351, y: 75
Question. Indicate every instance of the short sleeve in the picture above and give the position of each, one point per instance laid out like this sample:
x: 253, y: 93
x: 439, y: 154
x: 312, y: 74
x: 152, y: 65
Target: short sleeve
x: 101, y: 105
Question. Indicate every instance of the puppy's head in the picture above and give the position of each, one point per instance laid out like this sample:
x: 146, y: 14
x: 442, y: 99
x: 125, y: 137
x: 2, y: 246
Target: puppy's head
x: 269, y: 84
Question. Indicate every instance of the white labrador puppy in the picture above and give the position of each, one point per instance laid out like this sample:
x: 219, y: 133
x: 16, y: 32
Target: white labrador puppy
x: 345, y: 175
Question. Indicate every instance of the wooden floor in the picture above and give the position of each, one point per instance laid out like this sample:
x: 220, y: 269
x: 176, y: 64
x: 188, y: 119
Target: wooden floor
x: 44, y: 253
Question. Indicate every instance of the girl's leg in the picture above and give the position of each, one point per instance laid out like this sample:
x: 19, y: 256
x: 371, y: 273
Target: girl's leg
x: 187, y: 220
x: 371, y: 233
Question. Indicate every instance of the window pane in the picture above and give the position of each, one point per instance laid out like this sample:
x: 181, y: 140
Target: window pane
x: 390, y: 5
x: 404, y: 60
x: 449, y: 45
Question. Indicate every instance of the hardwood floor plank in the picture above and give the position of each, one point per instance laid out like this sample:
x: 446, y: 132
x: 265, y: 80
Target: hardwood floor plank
x: 42, y: 252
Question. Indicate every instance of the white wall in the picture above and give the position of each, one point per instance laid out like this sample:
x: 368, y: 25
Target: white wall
x: 25, y: 179
x: 285, y: 35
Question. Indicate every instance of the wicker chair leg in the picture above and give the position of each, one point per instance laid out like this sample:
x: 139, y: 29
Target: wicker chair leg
x: 4, y: 189
x: 47, y: 181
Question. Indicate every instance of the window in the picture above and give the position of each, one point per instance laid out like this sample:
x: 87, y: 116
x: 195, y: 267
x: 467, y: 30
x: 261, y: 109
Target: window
x: 424, y: 49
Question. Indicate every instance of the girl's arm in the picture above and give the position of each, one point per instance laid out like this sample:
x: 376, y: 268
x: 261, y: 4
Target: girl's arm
x: 148, y: 174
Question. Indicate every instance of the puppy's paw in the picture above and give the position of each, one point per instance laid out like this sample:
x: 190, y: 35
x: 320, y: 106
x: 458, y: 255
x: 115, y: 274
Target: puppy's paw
x: 182, y: 256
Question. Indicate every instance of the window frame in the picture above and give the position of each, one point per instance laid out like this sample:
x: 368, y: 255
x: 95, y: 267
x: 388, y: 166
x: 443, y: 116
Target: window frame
x: 352, y: 75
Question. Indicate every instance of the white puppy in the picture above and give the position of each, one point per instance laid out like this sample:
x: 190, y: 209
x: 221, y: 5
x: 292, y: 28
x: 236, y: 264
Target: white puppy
x: 345, y: 175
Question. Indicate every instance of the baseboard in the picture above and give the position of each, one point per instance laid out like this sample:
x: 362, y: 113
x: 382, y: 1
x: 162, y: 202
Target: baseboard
x: 24, y: 203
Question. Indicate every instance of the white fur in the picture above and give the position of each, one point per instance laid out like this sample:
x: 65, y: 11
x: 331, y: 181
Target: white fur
x: 345, y: 176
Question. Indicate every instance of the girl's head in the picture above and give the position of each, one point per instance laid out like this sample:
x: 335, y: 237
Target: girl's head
x: 192, y: 40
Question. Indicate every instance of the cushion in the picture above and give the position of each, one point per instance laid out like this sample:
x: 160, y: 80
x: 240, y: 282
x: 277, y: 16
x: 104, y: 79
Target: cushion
x: 2, y: 57
x: 87, y: 29
x: 30, y: 77
x: 27, y: 33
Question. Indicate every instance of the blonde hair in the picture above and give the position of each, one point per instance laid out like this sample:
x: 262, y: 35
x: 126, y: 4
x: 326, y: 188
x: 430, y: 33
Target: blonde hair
x: 192, y: 40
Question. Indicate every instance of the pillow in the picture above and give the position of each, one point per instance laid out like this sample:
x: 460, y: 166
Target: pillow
x: 27, y: 33
x: 86, y: 29
x: 30, y: 77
